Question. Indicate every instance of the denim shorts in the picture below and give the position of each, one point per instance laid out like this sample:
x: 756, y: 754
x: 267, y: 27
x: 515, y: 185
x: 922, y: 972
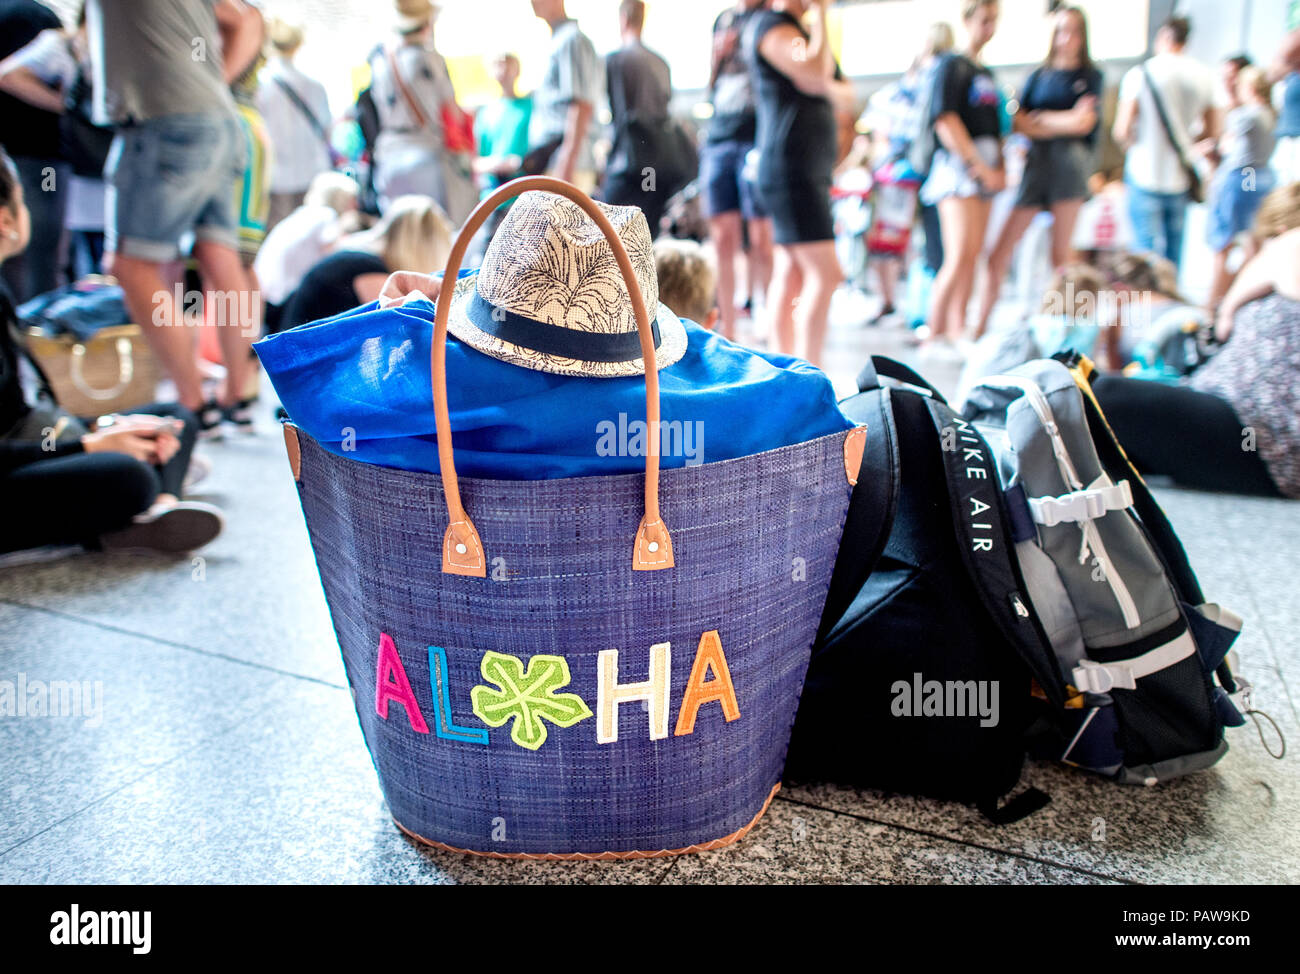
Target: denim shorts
x: 1235, y: 196
x: 170, y: 176
x: 948, y: 175
x: 723, y: 184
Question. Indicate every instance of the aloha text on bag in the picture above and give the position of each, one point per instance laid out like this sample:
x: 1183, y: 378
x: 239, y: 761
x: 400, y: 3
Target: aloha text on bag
x: 528, y: 694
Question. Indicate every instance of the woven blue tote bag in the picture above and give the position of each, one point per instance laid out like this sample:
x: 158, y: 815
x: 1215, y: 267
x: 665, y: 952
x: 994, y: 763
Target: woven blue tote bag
x: 543, y: 669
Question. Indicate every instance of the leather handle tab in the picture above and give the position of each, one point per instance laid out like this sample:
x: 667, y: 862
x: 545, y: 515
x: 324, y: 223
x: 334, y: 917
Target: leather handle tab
x: 293, y: 449
x: 462, y: 549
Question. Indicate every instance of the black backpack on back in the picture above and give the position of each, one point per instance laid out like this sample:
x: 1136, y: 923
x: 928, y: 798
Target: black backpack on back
x: 930, y: 669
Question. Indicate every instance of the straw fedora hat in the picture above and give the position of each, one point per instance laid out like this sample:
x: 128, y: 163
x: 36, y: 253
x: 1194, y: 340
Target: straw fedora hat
x: 550, y: 296
x: 411, y: 15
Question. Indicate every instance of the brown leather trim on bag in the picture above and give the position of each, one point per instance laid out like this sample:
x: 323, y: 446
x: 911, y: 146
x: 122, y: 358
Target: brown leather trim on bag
x: 460, y: 529
x: 294, y: 451
x: 653, y: 549
x: 462, y: 551
x: 855, y: 442
x: 726, y: 840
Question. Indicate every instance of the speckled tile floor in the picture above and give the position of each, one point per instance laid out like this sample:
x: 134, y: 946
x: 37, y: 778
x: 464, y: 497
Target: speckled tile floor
x: 227, y: 750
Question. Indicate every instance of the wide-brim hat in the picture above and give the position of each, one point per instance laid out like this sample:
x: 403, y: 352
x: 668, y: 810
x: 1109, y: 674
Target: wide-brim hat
x: 549, y: 295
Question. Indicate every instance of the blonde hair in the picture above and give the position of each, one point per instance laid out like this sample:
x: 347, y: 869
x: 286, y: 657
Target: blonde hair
x: 413, y: 235
x: 687, y: 280
x: 1258, y: 82
x: 1149, y: 272
x: 971, y: 7
x: 1082, y: 283
x: 335, y: 190
x: 1278, y: 213
x: 939, y: 39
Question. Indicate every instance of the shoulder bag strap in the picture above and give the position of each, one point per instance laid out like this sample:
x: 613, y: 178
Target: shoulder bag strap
x: 316, y: 125
x: 1167, y: 125
x: 421, y: 119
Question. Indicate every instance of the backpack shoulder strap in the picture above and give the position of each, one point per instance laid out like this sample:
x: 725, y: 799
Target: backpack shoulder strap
x: 986, y: 545
x: 872, y: 506
x: 1118, y: 466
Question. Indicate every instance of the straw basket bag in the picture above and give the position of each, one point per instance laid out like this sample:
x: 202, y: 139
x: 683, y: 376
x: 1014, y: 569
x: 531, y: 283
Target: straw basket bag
x: 587, y: 668
x: 110, y: 373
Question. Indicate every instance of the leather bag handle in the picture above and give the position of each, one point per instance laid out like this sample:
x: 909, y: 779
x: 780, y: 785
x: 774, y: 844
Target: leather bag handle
x: 462, y: 549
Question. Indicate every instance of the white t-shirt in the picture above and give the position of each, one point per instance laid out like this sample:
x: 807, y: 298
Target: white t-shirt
x: 299, y: 151
x: 1187, y: 90
x: 292, y: 248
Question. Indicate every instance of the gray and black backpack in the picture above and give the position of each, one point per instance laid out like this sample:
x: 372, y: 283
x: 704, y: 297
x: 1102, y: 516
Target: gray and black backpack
x: 1009, y: 557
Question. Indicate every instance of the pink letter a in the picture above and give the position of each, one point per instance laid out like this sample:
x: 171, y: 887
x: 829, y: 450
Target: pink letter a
x: 398, y: 689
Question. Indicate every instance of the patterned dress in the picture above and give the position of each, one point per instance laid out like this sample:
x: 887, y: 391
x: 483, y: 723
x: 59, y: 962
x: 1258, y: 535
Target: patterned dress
x: 1258, y: 373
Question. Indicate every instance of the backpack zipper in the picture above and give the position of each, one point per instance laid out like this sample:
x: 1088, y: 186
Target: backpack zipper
x: 1091, y: 540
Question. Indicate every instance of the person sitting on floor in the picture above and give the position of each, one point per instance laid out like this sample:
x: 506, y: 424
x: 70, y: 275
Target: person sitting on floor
x: 1235, y: 426
x: 115, y: 483
x: 544, y: 365
x: 302, y: 239
x: 413, y: 234
x: 688, y: 281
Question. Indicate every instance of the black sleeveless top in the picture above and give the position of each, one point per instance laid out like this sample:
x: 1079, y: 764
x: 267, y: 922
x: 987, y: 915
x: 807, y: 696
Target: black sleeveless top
x: 796, y: 131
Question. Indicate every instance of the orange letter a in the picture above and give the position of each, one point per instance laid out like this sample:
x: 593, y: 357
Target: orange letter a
x: 699, y: 691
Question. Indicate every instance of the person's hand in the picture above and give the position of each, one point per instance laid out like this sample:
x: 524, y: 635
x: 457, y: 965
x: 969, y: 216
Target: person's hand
x: 404, y: 287
x: 149, y: 439
x: 992, y: 180
x: 1223, y: 322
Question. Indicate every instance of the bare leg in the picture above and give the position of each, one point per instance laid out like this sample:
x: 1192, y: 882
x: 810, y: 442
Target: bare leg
x: 887, y: 269
x: 1065, y: 215
x: 153, y: 306
x: 224, y: 273
x: 995, y: 267
x: 822, y: 274
x: 724, y: 229
x: 760, y: 257
x: 1222, y: 279
x: 787, y: 280
x: 952, y: 225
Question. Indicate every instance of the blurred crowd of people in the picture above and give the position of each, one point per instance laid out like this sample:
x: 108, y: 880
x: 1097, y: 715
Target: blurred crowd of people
x: 160, y: 141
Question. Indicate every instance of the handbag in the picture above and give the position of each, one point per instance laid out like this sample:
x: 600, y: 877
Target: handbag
x: 645, y: 637
x: 82, y: 143
x: 93, y: 361
x: 1195, y: 185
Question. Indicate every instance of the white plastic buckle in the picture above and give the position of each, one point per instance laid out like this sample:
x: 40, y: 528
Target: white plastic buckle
x: 1081, y: 505
x: 1093, y: 677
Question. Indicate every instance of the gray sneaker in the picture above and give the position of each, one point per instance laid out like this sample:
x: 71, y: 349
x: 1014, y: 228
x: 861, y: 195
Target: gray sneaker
x: 184, y: 526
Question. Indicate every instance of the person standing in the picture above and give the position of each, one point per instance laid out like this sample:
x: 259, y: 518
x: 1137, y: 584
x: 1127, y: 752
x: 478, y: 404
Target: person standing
x: 52, y: 72
x: 730, y: 199
x: 1058, y: 113
x: 1158, y: 163
x: 1243, y: 177
x: 799, y: 89
x: 639, y: 85
x: 176, y: 161
x: 561, y: 135
x: 30, y: 135
x: 502, y: 128
x: 297, y: 115
x: 966, y: 171
x: 1286, y: 72
x: 424, y: 147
